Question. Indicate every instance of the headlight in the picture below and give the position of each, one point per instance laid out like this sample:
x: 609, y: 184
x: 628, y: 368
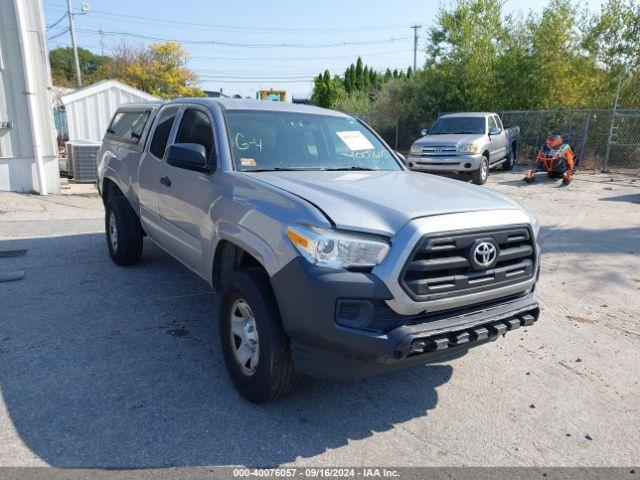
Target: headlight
x: 469, y: 149
x: 331, y: 248
x: 416, y: 149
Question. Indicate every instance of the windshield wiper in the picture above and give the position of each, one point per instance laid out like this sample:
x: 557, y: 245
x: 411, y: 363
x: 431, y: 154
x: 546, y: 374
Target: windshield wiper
x: 344, y: 169
x: 282, y: 169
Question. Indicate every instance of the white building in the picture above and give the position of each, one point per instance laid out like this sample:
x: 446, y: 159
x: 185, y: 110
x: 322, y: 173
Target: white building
x: 89, y: 109
x: 28, y: 151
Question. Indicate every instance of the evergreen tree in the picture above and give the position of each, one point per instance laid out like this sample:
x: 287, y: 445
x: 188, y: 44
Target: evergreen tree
x: 359, y: 72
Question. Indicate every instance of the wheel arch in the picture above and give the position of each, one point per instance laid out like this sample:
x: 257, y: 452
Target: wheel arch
x: 229, y: 258
x: 109, y: 190
x: 235, y: 247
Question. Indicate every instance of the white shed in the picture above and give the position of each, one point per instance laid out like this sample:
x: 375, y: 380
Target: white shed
x: 89, y: 109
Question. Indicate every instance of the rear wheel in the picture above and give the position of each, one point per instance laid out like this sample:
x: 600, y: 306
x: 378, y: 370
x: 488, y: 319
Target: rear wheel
x: 479, y: 177
x: 124, y: 233
x: 255, y: 347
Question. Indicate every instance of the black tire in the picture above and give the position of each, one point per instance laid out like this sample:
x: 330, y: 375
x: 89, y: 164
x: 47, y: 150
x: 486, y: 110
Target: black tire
x: 479, y: 177
x: 510, y: 161
x: 125, y: 246
x: 273, y: 376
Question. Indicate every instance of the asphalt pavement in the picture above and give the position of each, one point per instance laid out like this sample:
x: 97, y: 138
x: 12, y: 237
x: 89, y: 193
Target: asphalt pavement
x: 103, y: 366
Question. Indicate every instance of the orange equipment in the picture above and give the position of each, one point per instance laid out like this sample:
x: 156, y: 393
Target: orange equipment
x: 556, y: 158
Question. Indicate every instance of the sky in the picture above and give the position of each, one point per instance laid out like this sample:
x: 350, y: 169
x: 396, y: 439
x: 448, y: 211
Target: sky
x: 247, y: 45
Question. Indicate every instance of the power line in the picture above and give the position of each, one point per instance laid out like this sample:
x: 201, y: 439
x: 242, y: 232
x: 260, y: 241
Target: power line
x: 57, y: 21
x: 244, y: 45
x: 271, y: 59
x: 59, y: 34
x: 310, y: 29
x: 262, y: 81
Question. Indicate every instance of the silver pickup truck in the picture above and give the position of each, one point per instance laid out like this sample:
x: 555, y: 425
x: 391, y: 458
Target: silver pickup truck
x: 332, y: 259
x: 467, y: 144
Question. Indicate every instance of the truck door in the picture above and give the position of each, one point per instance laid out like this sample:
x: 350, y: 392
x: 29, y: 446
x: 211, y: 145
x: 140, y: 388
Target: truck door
x: 493, y: 141
x: 150, y: 170
x: 499, y: 141
x: 503, y: 138
x: 186, y: 195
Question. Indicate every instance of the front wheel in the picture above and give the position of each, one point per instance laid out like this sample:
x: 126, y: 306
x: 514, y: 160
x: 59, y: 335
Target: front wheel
x: 255, y: 348
x: 479, y: 177
x: 124, y: 233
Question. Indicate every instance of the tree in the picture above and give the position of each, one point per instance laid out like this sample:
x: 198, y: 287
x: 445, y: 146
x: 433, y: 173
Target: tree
x: 159, y: 70
x: 614, y: 34
x: 464, y: 45
x: 63, y: 68
x: 326, y: 91
x: 359, y: 74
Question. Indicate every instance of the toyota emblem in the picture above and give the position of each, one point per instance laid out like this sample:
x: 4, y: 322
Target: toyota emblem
x: 484, y: 254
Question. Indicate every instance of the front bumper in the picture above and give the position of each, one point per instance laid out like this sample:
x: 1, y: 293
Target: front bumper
x: 436, y: 163
x: 308, y: 296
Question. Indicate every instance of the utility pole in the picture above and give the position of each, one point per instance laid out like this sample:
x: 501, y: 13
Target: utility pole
x: 73, y: 43
x: 101, y: 41
x: 415, y: 27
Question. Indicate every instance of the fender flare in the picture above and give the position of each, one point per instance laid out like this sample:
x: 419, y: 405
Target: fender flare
x: 248, y: 241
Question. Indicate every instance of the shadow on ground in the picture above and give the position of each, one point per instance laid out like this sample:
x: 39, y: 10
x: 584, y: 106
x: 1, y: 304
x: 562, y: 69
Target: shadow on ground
x: 592, y: 241
x: 633, y: 198
x: 102, y: 366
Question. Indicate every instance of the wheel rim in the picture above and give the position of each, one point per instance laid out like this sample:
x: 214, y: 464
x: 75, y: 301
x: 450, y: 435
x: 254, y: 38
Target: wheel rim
x: 483, y: 170
x: 113, y: 232
x: 244, y: 337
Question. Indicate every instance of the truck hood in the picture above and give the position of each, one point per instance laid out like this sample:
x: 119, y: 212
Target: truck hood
x: 381, y: 201
x: 449, y: 140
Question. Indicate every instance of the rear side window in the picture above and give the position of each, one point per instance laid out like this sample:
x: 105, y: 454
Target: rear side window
x: 196, y: 128
x: 162, y: 131
x: 128, y: 125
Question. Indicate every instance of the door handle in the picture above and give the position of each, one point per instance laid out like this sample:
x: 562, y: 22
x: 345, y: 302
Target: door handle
x: 166, y: 181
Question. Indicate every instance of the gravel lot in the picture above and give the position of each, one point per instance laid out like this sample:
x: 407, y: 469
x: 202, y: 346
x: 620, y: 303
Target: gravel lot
x: 102, y: 366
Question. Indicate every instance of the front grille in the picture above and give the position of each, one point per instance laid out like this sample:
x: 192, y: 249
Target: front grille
x: 440, y: 265
x: 433, y: 150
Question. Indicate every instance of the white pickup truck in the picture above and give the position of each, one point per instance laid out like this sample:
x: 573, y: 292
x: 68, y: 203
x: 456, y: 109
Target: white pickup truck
x: 465, y: 144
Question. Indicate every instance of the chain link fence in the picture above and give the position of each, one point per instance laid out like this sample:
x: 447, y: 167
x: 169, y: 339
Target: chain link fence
x: 603, y: 140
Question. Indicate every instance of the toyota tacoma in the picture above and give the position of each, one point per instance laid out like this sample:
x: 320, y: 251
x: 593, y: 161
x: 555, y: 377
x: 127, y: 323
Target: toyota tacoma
x: 332, y: 258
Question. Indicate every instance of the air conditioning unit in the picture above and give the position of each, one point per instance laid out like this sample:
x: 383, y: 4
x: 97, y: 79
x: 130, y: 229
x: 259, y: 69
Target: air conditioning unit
x: 81, y: 159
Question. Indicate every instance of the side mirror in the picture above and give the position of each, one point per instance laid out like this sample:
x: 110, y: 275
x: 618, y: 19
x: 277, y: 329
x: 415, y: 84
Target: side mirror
x: 495, y: 131
x: 424, y: 132
x: 190, y: 156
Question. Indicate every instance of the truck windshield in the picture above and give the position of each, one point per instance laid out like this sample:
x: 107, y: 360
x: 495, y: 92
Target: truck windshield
x: 269, y: 140
x: 458, y: 125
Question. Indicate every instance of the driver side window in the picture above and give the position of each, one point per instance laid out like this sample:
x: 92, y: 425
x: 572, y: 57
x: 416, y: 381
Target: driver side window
x: 196, y: 127
x: 492, y: 123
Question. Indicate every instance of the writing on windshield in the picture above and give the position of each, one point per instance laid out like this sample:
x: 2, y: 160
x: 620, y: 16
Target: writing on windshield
x: 274, y: 140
